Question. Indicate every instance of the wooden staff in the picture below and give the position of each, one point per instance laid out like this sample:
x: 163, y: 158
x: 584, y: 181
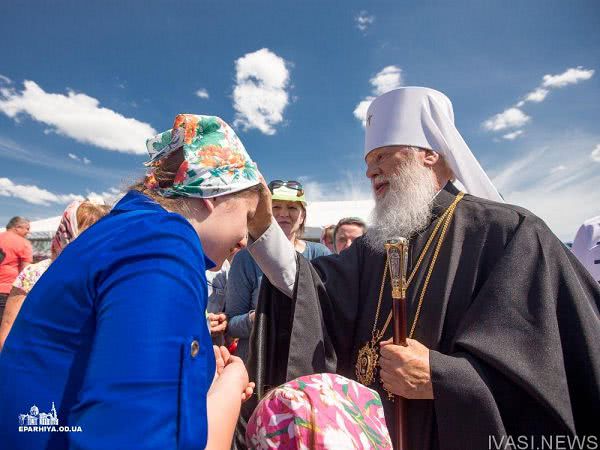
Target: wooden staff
x: 397, y: 253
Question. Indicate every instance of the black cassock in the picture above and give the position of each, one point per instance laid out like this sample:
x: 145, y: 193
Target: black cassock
x: 510, y: 316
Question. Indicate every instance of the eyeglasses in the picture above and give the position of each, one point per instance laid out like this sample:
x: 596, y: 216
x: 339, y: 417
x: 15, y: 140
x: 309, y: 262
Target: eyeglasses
x: 292, y: 184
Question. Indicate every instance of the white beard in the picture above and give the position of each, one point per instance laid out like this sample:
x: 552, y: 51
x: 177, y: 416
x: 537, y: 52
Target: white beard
x: 406, y: 208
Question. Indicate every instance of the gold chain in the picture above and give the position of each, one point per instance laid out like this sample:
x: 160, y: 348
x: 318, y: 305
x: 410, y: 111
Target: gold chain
x: 433, y: 260
x: 368, y: 354
x: 446, y: 218
x: 412, y: 274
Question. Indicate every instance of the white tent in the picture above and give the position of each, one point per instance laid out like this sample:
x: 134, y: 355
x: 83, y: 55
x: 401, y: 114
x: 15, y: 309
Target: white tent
x: 44, y: 228
x: 321, y: 214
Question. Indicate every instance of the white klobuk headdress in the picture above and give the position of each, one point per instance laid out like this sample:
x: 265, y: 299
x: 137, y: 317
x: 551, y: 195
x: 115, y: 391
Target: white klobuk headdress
x: 423, y: 117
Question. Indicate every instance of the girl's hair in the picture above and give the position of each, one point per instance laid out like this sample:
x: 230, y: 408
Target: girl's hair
x: 164, y: 174
x: 89, y: 213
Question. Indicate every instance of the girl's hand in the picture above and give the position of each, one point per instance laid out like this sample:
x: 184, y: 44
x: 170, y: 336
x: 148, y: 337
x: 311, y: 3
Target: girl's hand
x: 235, y: 374
x: 221, y: 358
x: 247, y: 394
x: 231, y: 371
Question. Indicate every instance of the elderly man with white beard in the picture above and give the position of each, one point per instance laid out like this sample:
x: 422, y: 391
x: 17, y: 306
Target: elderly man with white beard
x: 504, y: 322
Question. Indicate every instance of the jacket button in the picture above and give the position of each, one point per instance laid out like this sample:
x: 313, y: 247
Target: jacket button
x: 194, y: 348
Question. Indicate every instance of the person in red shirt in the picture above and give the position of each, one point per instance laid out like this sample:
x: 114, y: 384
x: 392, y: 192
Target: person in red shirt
x: 15, y: 254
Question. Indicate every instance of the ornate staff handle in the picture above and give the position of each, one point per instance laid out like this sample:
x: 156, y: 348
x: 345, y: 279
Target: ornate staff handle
x: 397, y: 253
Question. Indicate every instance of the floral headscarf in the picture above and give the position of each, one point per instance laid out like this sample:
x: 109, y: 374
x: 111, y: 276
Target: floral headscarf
x: 67, y: 229
x: 215, y: 160
x: 322, y: 411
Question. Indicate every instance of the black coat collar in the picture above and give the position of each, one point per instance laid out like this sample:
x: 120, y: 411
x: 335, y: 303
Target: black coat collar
x: 444, y: 199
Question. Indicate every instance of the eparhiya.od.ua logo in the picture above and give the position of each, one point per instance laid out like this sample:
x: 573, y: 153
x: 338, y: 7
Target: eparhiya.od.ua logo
x: 37, y: 421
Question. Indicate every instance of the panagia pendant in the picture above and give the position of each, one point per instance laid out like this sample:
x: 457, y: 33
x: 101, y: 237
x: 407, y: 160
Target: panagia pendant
x: 366, y: 364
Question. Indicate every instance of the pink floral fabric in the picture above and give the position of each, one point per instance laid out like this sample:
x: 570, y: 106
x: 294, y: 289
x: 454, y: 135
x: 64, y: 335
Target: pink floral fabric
x: 30, y: 274
x: 322, y: 411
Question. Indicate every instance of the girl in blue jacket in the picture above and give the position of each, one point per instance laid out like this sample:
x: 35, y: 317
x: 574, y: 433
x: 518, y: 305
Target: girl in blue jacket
x: 111, y: 349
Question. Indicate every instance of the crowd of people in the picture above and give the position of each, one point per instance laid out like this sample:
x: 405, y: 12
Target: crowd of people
x: 194, y: 314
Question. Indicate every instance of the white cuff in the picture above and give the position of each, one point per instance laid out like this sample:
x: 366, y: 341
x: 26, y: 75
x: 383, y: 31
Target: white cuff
x: 276, y: 257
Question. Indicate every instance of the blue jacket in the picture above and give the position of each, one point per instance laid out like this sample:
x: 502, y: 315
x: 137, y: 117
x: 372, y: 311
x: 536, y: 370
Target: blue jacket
x: 114, y: 335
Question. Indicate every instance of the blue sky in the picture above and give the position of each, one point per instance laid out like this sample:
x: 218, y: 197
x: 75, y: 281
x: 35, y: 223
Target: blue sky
x: 83, y: 84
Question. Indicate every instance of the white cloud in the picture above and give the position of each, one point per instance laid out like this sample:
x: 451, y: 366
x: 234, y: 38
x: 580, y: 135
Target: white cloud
x: 260, y: 95
x: 558, y: 169
x: 40, y: 196
x: 387, y: 79
x: 33, y: 194
x: 360, y: 112
x: 77, y: 116
x: 537, y: 96
x: 5, y: 80
x: 571, y: 76
x: 516, y: 117
x: 510, y: 118
x: 512, y: 136
x: 109, y: 197
x: 202, y: 93
x: 595, y: 155
x: 364, y: 21
x: 78, y: 159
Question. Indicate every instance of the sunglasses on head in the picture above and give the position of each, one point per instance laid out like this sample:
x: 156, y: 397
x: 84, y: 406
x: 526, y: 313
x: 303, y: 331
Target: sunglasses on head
x: 292, y: 184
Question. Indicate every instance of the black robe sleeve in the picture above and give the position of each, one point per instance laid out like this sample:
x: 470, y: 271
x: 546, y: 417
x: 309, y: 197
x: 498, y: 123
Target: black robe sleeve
x: 313, y: 331
x: 526, y: 356
x: 290, y: 337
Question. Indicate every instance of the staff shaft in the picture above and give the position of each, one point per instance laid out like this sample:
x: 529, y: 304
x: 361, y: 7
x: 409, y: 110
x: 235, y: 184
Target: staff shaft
x: 400, y: 335
x: 397, y: 253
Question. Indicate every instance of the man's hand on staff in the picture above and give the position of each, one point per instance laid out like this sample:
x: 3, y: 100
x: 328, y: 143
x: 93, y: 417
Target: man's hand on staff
x: 405, y: 371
